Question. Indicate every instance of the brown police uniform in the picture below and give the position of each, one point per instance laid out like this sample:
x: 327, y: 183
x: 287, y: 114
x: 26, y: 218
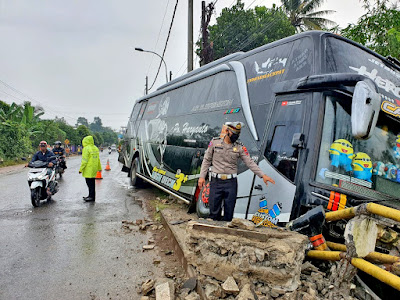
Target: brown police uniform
x: 223, y: 159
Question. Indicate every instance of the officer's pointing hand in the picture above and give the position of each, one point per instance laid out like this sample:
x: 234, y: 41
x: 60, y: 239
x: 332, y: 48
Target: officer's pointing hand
x: 201, y: 183
x: 267, y: 178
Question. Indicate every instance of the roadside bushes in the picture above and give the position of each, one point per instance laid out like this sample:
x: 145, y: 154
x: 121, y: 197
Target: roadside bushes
x: 14, y: 141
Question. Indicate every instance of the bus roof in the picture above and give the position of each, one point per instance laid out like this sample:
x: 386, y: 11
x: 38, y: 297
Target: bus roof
x: 196, y: 74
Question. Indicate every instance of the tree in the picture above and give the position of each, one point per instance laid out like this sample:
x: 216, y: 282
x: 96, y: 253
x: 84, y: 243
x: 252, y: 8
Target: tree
x: 378, y: 29
x: 238, y: 29
x: 304, y: 16
x: 98, y: 138
x: 82, y: 121
x: 82, y: 131
x: 97, y: 125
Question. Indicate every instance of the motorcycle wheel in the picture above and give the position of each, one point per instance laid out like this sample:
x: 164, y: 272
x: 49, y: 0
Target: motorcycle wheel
x: 202, y: 206
x: 35, y: 197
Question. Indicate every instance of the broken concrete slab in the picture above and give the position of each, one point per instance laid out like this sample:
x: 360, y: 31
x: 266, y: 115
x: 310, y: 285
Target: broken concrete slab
x: 165, y: 291
x: 148, y: 247
x: 148, y: 286
x: 230, y: 286
x: 246, y: 293
x: 192, y: 296
x: 268, y: 255
x: 242, y: 224
x: 360, y: 235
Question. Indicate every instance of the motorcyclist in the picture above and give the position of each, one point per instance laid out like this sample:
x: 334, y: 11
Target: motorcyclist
x: 109, y: 149
x: 44, y: 155
x: 60, y: 152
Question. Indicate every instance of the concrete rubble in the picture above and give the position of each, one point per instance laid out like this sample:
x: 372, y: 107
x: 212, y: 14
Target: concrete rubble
x: 240, y: 261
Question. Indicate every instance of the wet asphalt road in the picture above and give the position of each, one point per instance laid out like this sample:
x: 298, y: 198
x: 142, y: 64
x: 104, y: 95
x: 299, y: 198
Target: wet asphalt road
x: 67, y: 248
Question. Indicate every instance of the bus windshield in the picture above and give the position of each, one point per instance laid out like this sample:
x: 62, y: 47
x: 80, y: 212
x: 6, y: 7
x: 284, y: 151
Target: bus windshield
x: 369, y: 168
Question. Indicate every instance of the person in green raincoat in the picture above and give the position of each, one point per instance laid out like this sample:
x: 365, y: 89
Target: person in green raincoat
x: 90, y: 165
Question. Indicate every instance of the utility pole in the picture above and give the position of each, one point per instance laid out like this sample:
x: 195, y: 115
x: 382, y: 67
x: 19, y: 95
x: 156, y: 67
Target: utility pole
x: 190, y: 36
x: 207, y: 52
x: 147, y: 85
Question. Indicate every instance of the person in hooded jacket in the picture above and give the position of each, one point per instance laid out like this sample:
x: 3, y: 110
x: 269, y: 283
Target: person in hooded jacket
x: 90, y: 165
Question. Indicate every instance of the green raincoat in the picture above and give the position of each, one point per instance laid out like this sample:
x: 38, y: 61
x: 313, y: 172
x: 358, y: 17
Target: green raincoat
x: 90, y: 158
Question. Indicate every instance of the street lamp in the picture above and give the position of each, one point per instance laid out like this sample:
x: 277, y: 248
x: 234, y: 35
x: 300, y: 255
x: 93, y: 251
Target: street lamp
x: 162, y: 59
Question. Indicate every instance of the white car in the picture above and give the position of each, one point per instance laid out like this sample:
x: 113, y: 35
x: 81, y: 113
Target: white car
x: 113, y: 147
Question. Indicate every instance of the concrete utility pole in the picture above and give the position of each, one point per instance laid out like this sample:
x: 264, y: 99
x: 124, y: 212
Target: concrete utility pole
x: 147, y: 85
x: 190, y: 36
x: 207, y: 51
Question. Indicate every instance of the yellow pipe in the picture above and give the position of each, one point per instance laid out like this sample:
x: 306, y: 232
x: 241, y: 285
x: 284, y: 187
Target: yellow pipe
x: 346, y: 213
x: 359, y: 263
x: 378, y: 273
x: 373, y: 208
x: 336, y: 246
x: 324, y: 255
x: 375, y: 256
x: 384, y: 211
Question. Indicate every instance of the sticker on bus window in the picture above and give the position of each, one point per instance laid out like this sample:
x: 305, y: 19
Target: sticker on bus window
x: 289, y: 103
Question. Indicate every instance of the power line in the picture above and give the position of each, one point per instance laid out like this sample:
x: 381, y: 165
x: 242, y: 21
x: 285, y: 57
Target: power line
x: 158, y: 38
x: 166, y: 43
x: 28, y: 98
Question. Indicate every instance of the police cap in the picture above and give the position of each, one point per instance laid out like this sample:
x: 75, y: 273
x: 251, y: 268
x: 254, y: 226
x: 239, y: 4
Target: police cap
x: 235, y: 127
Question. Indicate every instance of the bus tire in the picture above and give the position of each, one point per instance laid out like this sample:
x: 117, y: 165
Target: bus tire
x: 202, y: 207
x: 134, y: 179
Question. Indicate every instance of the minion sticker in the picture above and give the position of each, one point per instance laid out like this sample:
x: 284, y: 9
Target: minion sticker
x: 341, y: 154
x: 396, y: 147
x: 362, y: 166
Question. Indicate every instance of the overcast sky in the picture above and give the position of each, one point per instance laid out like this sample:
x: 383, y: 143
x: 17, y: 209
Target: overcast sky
x: 76, y: 57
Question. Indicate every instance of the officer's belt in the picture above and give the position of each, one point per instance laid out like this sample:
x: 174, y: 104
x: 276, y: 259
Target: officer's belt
x: 223, y: 176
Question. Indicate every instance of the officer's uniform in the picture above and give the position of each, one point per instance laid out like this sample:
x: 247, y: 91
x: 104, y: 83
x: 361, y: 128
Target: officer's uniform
x: 223, y: 159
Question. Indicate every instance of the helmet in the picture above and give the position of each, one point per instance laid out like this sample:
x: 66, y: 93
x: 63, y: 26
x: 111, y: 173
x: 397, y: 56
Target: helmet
x: 57, y: 143
x: 235, y: 127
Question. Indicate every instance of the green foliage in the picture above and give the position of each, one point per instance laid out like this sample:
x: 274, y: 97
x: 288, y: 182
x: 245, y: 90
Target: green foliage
x: 82, y: 131
x: 14, y: 141
x: 97, y: 125
x: 238, y: 29
x: 50, y: 132
x: 82, y: 121
x: 304, y: 16
x: 21, y: 130
x: 98, y: 139
x: 378, y: 29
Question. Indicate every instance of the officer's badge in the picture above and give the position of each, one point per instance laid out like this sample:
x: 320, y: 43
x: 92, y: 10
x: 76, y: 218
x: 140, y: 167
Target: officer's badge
x: 238, y: 126
x: 235, y: 149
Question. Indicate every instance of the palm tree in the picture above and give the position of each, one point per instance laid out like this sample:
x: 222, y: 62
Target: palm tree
x: 303, y: 15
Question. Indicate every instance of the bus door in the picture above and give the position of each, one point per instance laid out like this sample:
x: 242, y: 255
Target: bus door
x: 280, y: 159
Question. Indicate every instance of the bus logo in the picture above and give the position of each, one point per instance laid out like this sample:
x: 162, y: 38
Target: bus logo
x: 390, y: 108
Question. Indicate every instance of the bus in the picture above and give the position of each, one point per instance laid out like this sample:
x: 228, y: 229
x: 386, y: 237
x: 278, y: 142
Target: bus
x: 321, y: 115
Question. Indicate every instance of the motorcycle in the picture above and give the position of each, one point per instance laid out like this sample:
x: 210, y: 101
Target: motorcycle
x: 42, y: 181
x: 109, y: 151
x: 60, y: 166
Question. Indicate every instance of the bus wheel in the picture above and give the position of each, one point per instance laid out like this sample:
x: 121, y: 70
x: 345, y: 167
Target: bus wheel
x: 202, y: 207
x: 135, y: 180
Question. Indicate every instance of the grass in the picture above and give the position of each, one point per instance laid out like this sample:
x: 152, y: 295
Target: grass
x: 11, y: 162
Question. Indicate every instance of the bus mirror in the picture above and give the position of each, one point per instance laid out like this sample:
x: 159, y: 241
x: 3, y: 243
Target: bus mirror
x: 298, y: 140
x: 365, y: 109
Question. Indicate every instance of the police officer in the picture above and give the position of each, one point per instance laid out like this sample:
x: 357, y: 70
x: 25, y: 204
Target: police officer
x: 223, y: 154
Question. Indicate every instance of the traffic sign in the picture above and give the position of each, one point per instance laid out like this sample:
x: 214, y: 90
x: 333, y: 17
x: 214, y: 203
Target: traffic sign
x: 66, y: 142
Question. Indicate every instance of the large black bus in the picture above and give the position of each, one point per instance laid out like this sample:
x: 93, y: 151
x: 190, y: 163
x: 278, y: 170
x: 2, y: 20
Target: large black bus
x: 321, y: 114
